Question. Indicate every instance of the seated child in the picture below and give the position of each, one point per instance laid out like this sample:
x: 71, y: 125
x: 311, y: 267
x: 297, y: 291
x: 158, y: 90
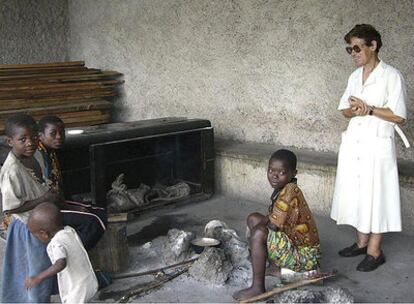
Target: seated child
x: 76, y: 279
x: 287, y: 237
x: 88, y: 221
x: 22, y: 190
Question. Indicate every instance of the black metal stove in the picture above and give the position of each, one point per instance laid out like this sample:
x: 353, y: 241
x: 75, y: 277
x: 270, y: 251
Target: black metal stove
x: 148, y: 151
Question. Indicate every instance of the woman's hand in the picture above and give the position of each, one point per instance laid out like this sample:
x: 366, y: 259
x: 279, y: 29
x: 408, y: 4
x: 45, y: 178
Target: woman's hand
x: 358, y: 106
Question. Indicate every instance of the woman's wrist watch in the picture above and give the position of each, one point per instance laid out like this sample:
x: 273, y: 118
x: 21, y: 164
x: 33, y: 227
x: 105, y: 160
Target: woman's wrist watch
x: 371, y: 110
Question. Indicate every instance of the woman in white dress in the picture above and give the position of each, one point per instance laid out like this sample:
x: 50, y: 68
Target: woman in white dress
x: 367, y: 194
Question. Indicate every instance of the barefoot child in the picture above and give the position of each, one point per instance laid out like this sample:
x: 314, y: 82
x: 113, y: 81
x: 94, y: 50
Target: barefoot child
x: 76, y: 279
x: 22, y: 189
x: 88, y: 221
x: 287, y: 237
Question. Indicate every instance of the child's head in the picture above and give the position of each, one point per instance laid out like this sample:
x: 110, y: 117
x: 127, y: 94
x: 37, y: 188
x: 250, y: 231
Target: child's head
x: 282, y: 168
x: 52, y: 132
x: 44, y: 221
x: 22, y: 134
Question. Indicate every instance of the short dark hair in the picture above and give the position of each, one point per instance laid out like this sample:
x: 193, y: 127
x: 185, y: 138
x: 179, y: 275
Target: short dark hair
x: 366, y: 32
x: 49, y: 120
x: 19, y: 120
x: 286, y: 156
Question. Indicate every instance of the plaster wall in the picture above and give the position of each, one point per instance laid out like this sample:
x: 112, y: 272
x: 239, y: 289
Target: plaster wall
x: 33, y: 31
x: 261, y: 71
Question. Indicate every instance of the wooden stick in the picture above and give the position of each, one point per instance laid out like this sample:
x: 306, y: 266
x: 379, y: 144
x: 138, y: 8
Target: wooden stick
x: 138, y: 274
x: 61, y: 108
x: 70, y: 77
x: 293, y: 285
x: 41, y: 70
x: 150, y: 286
x: 35, y: 75
x: 57, y: 92
x: 26, y: 87
x: 37, y: 65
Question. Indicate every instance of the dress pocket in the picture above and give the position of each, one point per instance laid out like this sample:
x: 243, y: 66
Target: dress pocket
x: 384, y: 147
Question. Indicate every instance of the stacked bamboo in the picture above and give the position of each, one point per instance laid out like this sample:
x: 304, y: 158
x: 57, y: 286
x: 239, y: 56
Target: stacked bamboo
x: 80, y: 96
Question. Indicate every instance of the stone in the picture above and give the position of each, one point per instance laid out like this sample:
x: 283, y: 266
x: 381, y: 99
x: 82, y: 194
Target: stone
x: 211, y: 267
x: 214, y: 228
x: 233, y: 247
x: 231, y: 242
x: 177, y: 247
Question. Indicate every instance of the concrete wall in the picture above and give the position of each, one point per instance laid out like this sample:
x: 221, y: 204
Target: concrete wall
x: 33, y: 31
x: 261, y: 71
x: 241, y: 173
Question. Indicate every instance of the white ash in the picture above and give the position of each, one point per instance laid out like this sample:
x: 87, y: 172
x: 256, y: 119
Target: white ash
x: 177, y: 248
x: 211, y: 267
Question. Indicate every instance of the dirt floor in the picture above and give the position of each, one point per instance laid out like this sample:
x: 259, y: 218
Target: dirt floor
x: 392, y: 282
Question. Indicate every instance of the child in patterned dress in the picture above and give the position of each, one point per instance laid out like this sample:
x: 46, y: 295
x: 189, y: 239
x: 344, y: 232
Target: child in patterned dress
x: 287, y: 237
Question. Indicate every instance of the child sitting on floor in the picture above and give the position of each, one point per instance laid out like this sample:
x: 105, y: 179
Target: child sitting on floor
x: 88, y: 221
x: 76, y: 279
x: 287, y: 237
x: 22, y: 189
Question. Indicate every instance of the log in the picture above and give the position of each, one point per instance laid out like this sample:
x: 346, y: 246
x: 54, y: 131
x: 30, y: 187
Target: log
x: 111, y: 253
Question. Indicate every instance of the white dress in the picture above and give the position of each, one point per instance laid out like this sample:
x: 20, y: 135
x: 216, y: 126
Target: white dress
x: 367, y: 194
x: 77, y: 281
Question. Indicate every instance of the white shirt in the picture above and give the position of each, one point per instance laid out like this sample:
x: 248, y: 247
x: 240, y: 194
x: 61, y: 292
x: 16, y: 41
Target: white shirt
x: 77, y: 281
x: 18, y: 185
x: 366, y: 193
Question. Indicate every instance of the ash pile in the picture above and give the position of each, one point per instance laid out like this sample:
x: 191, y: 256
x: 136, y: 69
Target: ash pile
x: 229, y: 264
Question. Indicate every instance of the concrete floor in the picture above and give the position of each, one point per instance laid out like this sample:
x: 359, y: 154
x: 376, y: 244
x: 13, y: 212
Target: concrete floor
x: 392, y: 282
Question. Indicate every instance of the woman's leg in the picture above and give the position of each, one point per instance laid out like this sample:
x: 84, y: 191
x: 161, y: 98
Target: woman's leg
x: 362, y: 239
x: 374, y: 244
x: 258, y: 246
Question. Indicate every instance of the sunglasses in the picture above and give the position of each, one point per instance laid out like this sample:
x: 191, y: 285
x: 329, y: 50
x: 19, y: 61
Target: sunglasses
x: 354, y: 48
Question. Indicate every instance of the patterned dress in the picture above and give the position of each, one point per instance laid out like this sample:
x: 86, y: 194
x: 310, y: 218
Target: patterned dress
x: 295, y: 245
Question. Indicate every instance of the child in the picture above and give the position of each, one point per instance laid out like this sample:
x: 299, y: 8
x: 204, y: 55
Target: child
x: 52, y: 137
x: 22, y: 189
x: 287, y: 236
x: 88, y: 221
x: 76, y: 279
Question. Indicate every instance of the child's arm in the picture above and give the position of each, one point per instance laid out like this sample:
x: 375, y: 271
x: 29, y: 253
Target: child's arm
x: 49, y: 196
x: 59, y: 265
x: 279, y: 213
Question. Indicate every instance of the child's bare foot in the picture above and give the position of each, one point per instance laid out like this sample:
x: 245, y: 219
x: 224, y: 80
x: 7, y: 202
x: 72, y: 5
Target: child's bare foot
x: 273, y: 270
x: 247, y: 293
